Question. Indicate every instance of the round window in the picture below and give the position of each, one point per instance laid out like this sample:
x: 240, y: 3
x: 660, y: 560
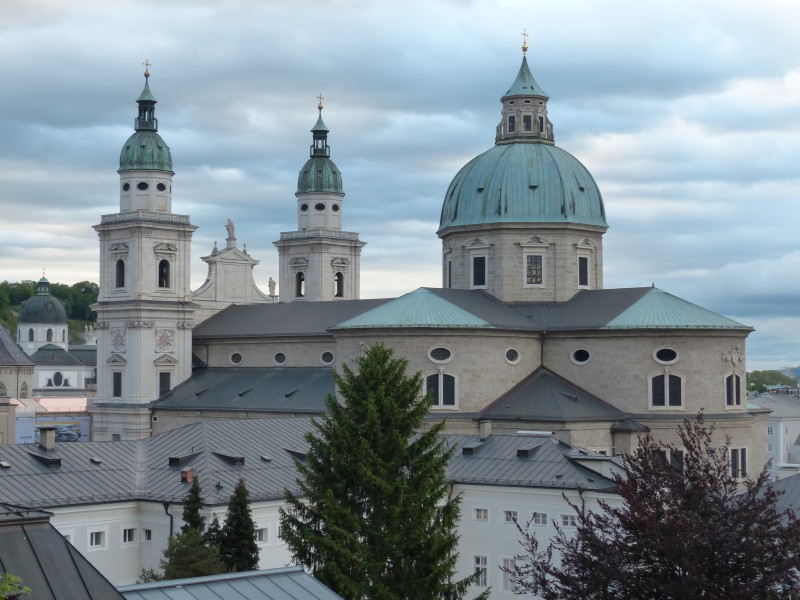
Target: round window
x: 304, y: 207
x: 319, y: 206
x: 161, y: 187
x: 512, y: 356
x: 279, y: 358
x: 581, y: 356
x: 326, y: 358
x: 142, y: 185
x: 335, y: 208
x: 440, y: 354
x: 126, y: 186
x: 236, y: 358
x: 666, y: 356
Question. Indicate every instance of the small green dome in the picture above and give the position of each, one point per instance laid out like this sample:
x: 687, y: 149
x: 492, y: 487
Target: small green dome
x: 320, y: 174
x: 145, y: 150
x: 523, y: 182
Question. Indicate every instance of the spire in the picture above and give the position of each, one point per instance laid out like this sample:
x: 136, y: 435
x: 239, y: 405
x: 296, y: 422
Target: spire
x: 525, y: 84
x: 147, y: 105
x: 319, y: 145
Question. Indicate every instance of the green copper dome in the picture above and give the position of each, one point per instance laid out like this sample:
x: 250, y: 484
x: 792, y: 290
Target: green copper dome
x: 145, y: 149
x: 320, y: 174
x: 525, y: 177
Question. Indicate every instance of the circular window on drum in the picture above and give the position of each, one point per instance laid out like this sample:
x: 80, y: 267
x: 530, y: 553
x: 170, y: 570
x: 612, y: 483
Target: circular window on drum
x: 440, y: 354
x: 512, y: 356
x: 665, y: 355
x: 326, y: 358
x: 236, y: 358
x: 581, y: 356
x: 279, y: 358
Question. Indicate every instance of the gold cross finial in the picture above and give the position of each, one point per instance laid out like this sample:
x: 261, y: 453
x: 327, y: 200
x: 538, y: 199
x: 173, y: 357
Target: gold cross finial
x: 524, y: 41
x: 147, y: 66
x: 320, y: 98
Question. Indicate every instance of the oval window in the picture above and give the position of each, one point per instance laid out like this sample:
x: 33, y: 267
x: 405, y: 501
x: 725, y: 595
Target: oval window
x: 279, y: 358
x: 319, y: 206
x: 512, y: 356
x: 581, y: 356
x: 236, y: 358
x: 666, y: 355
x: 304, y: 207
x: 335, y: 208
x: 58, y: 378
x: 440, y: 354
x: 161, y: 187
x: 142, y: 185
x: 126, y: 186
x: 326, y: 358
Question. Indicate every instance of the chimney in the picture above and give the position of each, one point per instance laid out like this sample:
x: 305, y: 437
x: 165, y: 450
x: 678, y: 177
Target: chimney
x: 187, y: 475
x: 485, y: 429
x: 47, y: 438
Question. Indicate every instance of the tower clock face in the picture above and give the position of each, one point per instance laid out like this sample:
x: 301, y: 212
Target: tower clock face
x: 118, y: 340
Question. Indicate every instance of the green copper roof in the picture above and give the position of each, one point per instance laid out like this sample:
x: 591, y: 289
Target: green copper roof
x: 525, y: 84
x: 523, y: 182
x: 146, y: 95
x: 145, y: 150
x: 659, y: 310
x: 320, y: 174
x: 320, y: 124
x: 420, y: 308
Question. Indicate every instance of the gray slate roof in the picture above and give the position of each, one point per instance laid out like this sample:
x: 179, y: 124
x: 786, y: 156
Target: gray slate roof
x: 292, y: 390
x: 32, y: 549
x: 50, y: 354
x: 11, y: 355
x: 544, y: 396
x: 288, y: 583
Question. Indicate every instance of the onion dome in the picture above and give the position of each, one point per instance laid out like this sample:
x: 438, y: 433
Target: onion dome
x: 43, y: 308
x: 525, y: 177
x: 145, y: 149
x: 320, y: 174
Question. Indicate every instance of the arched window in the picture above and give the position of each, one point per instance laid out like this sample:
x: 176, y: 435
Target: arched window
x: 30, y: 334
x: 120, y: 279
x: 300, y: 285
x: 733, y: 390
x: 49, y: 335
x: 23, y: 391
x: 666, y: 391
x: 163, y: 274
x: 63, y: 335
x: 442, y: 389
x: 338, y: 288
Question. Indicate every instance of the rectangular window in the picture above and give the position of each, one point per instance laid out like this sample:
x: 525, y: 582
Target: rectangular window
x: 510, y: 515
x: 569, y: 521
x: 733, y: 390
x: 534, y: 269
x: 512, y: 124
x: 164, y: 383
x: 449, y: 273
x: 583, y: 271
x: 770, y: 430
x: 148, y: 535
x: 480, y: 570
x: 541, y: 125
x: 481, y: 514
x: 527, y: 123
x: 116, y: 384
x: 508, y: 578
x: 786, y: 430
x: 539, y: 518
x: 128, y: 536
x: 97, y: 539
x: 262, y: 535
x: 738, y: 462
x: 478, y: 271
x: 675, y: 398
x: 676, y: 460
x: 769, y: 448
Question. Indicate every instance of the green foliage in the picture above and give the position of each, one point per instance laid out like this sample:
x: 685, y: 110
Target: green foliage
x: 149, y: 575
x: 213, y: 534
x: 374, y: 518
x: 188, y: 555
x: 683, y: 532
x: 11, y: 586
x: 237, y: 540
x: 192, y: 508
x: 757, y: 381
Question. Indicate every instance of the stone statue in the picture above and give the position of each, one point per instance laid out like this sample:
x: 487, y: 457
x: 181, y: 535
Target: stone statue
x: 229, y: 227
x: 272, y: 284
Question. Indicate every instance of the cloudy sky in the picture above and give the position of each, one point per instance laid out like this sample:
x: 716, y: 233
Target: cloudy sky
x: 686, y: 112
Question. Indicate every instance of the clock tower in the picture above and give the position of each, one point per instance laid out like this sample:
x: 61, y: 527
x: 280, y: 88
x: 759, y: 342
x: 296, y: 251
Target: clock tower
x: 145, y: 308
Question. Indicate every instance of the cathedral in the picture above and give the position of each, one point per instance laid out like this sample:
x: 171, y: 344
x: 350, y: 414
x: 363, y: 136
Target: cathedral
x: 521, y: 335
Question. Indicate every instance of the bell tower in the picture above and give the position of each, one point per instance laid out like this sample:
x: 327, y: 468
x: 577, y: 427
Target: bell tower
x: 144, y: 309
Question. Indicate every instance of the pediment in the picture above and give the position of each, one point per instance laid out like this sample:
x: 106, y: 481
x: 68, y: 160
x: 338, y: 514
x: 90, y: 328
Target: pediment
x: 534, y: 241
x: 477, y: 242
x: 165, y: 359
x: 340, y: 262
x: 165, y: 248
x: 586, y: 244
x: 116, y: 359
x: 300, y: 261
x: 119, y: 247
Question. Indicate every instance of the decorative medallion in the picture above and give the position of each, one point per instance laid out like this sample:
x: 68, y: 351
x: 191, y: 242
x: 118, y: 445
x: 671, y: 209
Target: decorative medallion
x: 118, y: 340
x: 165, y: 340
x: 734, y: 356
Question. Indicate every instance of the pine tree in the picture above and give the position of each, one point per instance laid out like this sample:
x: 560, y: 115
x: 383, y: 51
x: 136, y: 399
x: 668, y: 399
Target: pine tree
x: 187, y: 555
x: 374, y: 519
x: 686, y: 530
x: 213, y: 534
x: 237, y: 539
x: 192, y: 508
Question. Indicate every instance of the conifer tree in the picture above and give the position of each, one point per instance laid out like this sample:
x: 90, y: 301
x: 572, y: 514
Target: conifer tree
x: 237, y: 539
x: 187, y: 555
x: 373, y: 518
x: 192, y: 508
